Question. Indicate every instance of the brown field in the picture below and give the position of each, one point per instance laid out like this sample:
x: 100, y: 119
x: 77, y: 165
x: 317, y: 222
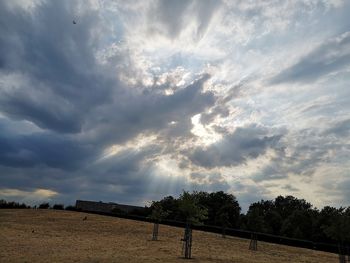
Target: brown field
x: 62, y: 236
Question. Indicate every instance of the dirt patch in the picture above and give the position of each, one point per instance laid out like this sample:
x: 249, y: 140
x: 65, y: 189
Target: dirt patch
x: 63, y: 236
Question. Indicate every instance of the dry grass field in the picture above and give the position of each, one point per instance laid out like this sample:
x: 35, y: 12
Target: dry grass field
x: 63, y: 236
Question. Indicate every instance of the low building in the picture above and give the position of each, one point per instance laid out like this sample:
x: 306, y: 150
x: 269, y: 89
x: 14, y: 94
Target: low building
x: 92, y: 206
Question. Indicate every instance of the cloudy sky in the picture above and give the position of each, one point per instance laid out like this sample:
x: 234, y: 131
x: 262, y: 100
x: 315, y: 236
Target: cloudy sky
x: 141, y: 99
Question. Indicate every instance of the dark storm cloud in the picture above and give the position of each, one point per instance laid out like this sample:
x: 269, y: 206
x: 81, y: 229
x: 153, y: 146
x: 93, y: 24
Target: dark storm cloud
x: 236, y: 148
x: 62, y: 81
x: 43, y: 149
x: 132, y: 114
x: 115, y: 124
x: 42, y: 110
x: 121, y: 177
x: 331, y: 56
x: 59, y: 85
x: 50, y: 78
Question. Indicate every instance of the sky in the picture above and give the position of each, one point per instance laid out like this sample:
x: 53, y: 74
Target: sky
x: 137, y: 100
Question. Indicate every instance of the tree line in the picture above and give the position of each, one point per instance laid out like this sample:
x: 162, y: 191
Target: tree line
x: 45, y: 205
x: 285, y: 216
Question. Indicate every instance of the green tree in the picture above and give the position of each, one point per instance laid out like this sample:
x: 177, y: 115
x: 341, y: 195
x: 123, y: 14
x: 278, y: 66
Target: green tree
x: 255, y: 221
x: 298, y: 225
x: 191, y: 210
x: 194, y: 214
x: 339, y: 231
x: 157, y: 215
x: 285, y: 206
x: 324, y: 220
x: 171, y: 205
x: 224, y: 221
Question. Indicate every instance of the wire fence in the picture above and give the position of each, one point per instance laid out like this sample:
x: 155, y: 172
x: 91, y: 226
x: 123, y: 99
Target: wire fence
x: 326, y: 247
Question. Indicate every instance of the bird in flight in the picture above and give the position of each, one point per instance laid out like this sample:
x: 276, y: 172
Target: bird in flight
x: 74, y: 22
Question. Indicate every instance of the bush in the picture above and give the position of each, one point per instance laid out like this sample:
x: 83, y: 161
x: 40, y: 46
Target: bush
x: 118, y: 211
x: 58, y: 206
x: 140, y: 212
x: 44, y: 206
x: 71, y: 208
x: 5, y: 204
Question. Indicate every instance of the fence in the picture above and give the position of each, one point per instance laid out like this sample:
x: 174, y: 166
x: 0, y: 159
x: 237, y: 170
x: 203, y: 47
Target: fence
x: 332, y: 248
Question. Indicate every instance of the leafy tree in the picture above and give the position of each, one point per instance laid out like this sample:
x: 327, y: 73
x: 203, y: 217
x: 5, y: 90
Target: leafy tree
x: 191, y: 210
x: 298, y: 225
x: 171, y: 205
x: 224, y: 221
x: 157, y: 215
x: 214, y: 203
x: 273, y: 222
x: 285, y: 206
x: 145, y: 211
x: 339, y: 229
x: 268, y: 220
x: 255, y: 221
x: 217, y: 203
x: 193, y: 213
x: 285, y: 215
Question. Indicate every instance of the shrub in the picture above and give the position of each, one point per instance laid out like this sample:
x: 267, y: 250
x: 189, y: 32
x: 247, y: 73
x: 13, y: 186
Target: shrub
x: 58, y: 206
x: 5, y: 204
x: 44, y: 206
x: 71, y: 208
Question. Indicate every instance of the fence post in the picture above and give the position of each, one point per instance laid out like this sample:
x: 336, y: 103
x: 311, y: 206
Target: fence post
x: 253, y: 242
x: 341, y: 250
x: 187, y: 245
x: 155, y: 231
x: 224, y: 232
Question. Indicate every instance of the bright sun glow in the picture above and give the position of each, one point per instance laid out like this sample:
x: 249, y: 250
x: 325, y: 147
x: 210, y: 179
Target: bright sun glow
x: 205, y: 135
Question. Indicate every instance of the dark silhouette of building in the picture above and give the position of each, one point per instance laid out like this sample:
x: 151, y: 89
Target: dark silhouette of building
x: 92, y: 206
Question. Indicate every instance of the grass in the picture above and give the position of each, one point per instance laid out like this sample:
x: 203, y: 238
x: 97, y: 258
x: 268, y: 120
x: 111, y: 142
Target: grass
x: 63, y: 236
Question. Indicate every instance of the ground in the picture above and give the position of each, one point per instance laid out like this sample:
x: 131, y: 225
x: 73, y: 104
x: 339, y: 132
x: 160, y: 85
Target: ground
x: 62, y: 236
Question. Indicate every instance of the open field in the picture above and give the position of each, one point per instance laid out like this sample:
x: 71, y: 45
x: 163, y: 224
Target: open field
x: 63, y: 236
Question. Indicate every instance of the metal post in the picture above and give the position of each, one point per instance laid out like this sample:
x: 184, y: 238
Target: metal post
x: 342, y: 258
x: 155, y: 231
x: 253, y: 242
x: 187, y: 245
